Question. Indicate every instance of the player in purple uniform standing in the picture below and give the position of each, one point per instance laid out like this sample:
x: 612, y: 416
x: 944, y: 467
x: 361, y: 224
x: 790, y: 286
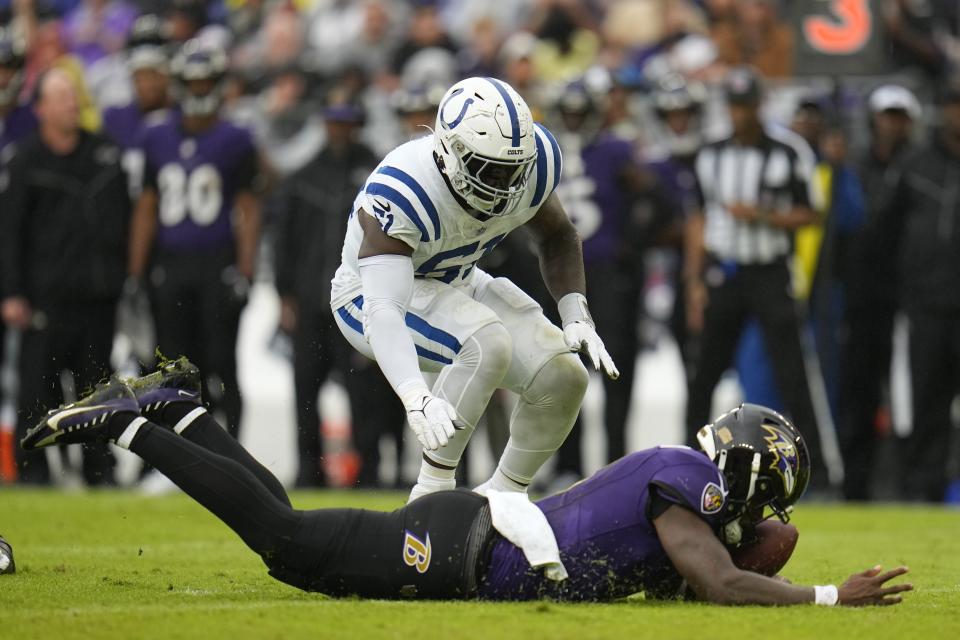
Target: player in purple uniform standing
x: 197, y: 224
x: 655, y: 521
x: 147, y: 51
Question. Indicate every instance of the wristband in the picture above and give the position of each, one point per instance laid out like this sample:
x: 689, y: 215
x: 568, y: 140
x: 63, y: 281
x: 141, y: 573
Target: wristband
x: 573, y: 308
x: 827, y: 596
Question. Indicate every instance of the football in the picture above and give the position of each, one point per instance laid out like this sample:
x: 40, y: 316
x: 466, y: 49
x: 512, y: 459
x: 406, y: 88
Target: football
x: 770, y: 553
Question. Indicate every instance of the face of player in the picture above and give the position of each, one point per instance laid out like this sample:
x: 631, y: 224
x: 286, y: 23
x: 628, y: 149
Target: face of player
x: 892, y: 126
x: 744, y: 117
x: 679, y: 121
x: 57, y: 107
x: 150, y: 86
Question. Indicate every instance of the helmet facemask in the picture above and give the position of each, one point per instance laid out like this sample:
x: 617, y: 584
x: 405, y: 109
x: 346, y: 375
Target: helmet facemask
x: 492, y: 186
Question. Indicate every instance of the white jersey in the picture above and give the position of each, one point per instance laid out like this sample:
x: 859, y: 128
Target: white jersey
x: 408, y: 196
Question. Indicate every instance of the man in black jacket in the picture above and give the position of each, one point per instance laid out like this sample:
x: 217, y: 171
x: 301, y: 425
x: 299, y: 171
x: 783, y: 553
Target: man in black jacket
x: 314, y: 206
x: 65, y: 219
x: 870, y: 297
x: 924, y: 226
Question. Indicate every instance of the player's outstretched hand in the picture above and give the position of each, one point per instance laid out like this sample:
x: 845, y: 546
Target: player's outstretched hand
x: 581, y: 336
x: 432, y: 419
x: 866, y: 588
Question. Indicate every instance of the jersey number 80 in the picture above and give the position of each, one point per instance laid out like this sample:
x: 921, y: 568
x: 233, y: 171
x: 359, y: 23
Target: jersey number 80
x: 198, y: 194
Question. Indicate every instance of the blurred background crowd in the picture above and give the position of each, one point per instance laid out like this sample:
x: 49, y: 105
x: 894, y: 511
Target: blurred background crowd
x: 159, y: 158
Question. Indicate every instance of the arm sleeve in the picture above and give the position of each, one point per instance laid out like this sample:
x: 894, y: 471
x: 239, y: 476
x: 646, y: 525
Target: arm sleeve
x: 387, y: 287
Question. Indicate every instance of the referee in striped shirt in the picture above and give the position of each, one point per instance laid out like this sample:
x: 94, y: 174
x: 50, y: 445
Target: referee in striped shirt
x: 754, y: 194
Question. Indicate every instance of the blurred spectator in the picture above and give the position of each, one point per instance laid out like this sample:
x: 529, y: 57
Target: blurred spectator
x: 96, y: 28
x: 313, y: 220
x: 65, y: 218
x: 417, y: 108
x: 146, y: 59
x: 923, y: 221
x: 479, y: 56
x: 754, y: 35
x: 754, y: 187
x: 278, y: 44
x: 925, y: 34
x: 678, y: 107
x: 284, y: 119
x: 17, y: 119
x: 870, y: 272
x: 618, y: 211
x: 47, y: 50
x: 516, y: 60
x: 343, y: 32
x: 809, y: 122
x: 425, y: 31
x: 196, y: 226
x: 567, y: 43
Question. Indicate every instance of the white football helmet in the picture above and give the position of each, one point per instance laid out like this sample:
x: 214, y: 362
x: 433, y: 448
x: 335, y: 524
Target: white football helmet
x: 485, y: 139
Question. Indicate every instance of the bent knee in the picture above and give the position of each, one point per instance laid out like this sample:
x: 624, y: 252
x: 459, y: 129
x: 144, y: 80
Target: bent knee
x: 562, y: 376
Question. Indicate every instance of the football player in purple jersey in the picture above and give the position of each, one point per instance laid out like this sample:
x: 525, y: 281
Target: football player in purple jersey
x: 658, y: 521
x: 147, y: 51
x: 196, y: 225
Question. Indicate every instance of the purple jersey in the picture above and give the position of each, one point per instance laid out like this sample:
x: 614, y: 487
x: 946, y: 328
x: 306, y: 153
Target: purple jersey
x: 593, y: 194
x: 124, y: 124
x: 197, y: 178
x: 604, y: 528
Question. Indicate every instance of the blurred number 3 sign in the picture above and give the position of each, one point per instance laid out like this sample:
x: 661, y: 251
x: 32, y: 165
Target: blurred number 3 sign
x: 838, y: 37
x: 846, y: 32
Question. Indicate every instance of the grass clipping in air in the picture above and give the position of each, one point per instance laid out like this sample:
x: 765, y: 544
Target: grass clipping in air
x: 117, y: 565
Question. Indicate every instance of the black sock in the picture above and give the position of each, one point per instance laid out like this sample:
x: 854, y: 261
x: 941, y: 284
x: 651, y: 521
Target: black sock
x: 223, y: 486
x: 206, y: 432
x: 118, y: 423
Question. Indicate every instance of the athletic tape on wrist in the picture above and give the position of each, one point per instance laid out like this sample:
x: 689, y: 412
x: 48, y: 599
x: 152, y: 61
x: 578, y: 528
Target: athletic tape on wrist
x: 573, y: 308
x: 826, y: 595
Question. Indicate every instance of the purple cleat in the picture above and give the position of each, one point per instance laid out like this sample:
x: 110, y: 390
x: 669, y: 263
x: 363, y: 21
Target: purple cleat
x: 173, y: 381
x: 85, y: 420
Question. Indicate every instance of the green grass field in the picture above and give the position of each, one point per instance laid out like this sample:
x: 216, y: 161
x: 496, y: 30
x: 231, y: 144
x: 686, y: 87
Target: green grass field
x: 117, y: 565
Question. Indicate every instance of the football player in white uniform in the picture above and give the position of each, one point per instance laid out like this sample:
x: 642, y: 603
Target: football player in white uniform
x: 408, y: 292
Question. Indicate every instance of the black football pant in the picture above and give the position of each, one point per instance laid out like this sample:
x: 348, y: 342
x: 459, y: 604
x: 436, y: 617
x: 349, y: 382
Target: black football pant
x: 614, y: 304
x: 197, y: 306
x: 865, y: 367
x: 935, y: 381
x: 78, y: 337
x: 431, y: 548
x: 764, y: 292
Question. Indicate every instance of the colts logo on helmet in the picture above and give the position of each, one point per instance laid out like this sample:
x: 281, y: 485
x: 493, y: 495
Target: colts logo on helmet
x: 416, y: 552
x: 463, y: 109
x: 784, y: 455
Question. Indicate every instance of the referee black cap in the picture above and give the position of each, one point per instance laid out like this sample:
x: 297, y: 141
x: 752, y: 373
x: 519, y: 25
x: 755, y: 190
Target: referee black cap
x: 743, y: 86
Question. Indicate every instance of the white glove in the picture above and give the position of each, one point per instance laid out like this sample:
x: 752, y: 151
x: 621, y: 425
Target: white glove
x: 581, y: 336
x: 580, y: 333
x: 432, y: 419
